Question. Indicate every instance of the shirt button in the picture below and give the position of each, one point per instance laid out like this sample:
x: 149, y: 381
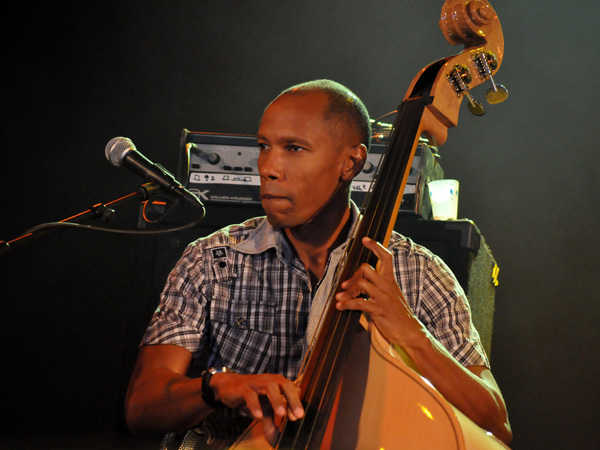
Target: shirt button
x: 241, y: 321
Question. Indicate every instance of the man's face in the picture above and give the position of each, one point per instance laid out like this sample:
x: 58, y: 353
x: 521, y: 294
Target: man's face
x: 301, y: 160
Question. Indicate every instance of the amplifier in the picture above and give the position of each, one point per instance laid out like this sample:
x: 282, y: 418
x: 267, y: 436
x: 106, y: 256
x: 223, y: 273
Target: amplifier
x: 223, y: 168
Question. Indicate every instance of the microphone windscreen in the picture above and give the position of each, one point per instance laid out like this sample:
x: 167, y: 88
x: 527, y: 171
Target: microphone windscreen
x: 117, y: 148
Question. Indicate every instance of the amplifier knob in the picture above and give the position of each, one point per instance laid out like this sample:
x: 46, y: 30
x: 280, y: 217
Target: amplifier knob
x: 368, y: 167
x: 213, y: 158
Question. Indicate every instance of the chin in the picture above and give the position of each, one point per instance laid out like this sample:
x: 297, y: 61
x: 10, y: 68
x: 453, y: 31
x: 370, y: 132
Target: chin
x: 283, y: 220
x: 279, y: 221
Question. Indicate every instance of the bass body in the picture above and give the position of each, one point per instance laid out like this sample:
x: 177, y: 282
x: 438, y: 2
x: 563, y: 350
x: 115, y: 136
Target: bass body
x: 383, y: 403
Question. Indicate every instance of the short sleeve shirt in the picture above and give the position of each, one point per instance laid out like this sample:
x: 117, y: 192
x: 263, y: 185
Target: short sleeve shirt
x: 243, y: 296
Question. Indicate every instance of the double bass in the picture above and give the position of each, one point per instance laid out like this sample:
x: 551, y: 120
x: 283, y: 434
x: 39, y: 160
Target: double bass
x: 359, y: 390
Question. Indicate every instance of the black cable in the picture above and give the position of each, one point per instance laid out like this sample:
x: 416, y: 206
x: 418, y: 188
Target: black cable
x: 51, y: 225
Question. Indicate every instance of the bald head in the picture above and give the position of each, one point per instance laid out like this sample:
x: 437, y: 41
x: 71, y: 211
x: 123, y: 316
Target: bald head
x: 346, y: 112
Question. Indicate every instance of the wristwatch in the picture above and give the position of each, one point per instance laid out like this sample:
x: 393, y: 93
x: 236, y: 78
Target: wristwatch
x: 207, y: 393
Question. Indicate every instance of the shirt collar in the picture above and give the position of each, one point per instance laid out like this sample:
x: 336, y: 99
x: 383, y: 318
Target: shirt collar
x: 265, y: 236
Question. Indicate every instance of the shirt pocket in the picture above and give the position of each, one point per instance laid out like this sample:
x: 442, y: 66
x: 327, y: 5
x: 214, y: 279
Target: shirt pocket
x: 242, y: 325
x: 242, y: 301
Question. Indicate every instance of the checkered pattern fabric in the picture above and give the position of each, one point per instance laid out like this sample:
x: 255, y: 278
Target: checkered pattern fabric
x: 243, y: 295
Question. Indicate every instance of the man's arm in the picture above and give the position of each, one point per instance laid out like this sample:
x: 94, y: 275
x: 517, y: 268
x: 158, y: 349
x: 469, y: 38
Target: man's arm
x: 162, y: 399
x: 472, y: 390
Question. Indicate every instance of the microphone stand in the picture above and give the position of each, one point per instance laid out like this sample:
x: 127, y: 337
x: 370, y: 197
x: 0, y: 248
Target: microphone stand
x: 99, y: 210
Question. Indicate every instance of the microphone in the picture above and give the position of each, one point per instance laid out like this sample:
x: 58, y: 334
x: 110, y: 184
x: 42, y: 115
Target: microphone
x: 120, y: 151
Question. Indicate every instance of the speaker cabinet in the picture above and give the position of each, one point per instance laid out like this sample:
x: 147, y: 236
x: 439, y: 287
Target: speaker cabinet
x: 462, y: 247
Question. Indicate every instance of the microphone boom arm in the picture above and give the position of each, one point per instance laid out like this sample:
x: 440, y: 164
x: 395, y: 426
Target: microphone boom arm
x: 100, y: 210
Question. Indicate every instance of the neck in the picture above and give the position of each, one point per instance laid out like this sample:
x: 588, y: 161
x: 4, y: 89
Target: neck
x: 315, y: 240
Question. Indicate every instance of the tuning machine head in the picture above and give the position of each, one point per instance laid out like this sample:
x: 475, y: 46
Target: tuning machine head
x: 460, y: 77
x: 486, y: 62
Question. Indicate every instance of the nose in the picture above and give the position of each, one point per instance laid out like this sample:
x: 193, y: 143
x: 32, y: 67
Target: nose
x: 270, y: 164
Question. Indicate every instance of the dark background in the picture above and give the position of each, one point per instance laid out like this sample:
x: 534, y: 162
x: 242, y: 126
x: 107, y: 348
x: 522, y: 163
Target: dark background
x: 76, y: 74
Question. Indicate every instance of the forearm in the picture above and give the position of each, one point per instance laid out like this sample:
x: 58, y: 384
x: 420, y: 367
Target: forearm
x: 161, y: 402
x: 162, y: 399
x: 474, y: 394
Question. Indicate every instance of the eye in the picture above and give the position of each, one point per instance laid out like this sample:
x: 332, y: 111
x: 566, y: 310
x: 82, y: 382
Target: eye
x: 295, y: 148
x: 262, y: 146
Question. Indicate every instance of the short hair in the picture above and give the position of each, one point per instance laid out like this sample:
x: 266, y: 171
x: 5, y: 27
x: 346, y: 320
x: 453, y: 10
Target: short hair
x: 343, y: 105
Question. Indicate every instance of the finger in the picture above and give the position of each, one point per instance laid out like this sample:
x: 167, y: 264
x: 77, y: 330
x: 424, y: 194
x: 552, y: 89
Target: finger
x: 292, y: 394
x: 278, y: 402
x: 375, y: 284
x: 253, y: 404
x: 352, y: 291
x: 351, y: 285
x: 383, y: 254
x: 369, y: 281
x: 375, y: 292
x: 244, y: 411
x: 291, y: 415
x: 270, y: 431
x: 350, y: 282
x: 360, y: 287
x: 347, y: 305
x: 344, y: 297
x: 375, y: 247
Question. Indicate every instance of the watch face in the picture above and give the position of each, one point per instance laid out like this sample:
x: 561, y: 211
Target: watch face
x: 214, y: 370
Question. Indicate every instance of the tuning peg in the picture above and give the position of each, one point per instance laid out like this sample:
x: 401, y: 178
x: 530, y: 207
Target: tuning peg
x: 475, y: 107
x: 496, y: 94
x: 486, y: 62
x: 460, y: 76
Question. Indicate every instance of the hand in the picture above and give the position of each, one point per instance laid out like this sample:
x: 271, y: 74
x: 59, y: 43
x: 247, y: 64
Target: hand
x: 266, y: 397
x: 378, y: 295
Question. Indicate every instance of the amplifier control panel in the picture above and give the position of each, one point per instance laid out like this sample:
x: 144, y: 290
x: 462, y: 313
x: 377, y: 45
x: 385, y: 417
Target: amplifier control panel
x: 223, y: 168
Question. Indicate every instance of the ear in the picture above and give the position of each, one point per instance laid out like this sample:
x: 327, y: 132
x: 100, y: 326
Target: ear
x: 354, y: 162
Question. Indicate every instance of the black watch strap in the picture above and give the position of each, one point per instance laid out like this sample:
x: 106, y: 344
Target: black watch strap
x: 208, y: 394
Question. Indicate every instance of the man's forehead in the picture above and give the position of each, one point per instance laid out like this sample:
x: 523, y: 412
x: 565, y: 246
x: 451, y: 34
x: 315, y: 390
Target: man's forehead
x: 302, y: 99
x: 303, y: 116
x: 296, y: 109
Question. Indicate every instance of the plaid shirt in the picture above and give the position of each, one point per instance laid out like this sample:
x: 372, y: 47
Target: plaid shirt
x: 243, y: 295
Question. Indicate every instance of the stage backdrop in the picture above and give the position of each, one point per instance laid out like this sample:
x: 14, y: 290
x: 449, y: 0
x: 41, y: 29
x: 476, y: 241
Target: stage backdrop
x: 76, y: 74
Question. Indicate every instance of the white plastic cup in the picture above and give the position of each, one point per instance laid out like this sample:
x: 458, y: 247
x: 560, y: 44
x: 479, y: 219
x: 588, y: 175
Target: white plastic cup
x: 444, y: 199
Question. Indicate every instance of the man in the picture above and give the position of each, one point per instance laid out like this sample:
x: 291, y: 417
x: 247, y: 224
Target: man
x: 246, y: 293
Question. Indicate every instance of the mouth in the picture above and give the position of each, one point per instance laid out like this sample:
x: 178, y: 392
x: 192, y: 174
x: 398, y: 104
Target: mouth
x: 275, y: 202
x: 272, y: 196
